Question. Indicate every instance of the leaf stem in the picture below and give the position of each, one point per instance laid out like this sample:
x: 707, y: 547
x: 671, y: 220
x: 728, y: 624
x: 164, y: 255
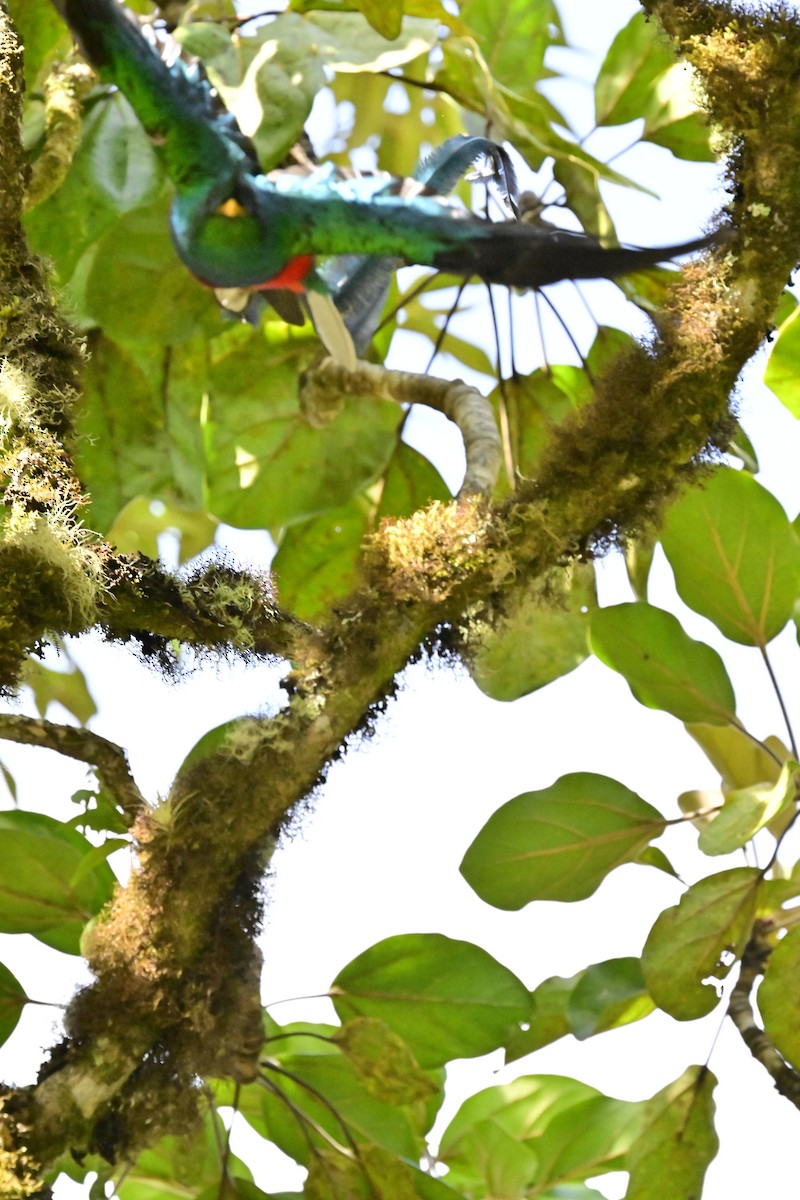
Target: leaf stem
x: 779, y: 695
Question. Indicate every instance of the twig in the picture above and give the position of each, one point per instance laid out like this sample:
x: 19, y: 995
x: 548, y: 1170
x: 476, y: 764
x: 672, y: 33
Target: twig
x: 108, y: 759
x: 324, y: 387
x: 740, y: 1010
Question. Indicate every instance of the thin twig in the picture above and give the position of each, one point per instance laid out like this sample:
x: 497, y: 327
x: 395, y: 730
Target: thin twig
x: 108, y: 759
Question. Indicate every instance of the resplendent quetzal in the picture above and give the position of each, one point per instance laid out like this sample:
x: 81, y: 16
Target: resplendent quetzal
x: 235, y: 227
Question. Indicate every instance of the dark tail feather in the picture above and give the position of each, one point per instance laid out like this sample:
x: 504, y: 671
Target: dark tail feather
x: 517, y: 255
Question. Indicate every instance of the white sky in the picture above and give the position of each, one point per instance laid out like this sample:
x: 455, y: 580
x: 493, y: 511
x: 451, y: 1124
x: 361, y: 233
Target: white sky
x: 380, y: 851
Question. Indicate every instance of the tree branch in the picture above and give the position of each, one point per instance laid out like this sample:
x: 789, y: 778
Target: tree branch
x: 108, y: 759
x: 740, y: 1010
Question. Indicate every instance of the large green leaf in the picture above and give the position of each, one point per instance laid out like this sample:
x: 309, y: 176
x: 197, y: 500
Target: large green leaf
x: 267, y: 80
x: 383, y: 1061
x: 782, y: 374
x: 608, y: 995
x: 694, y: 944
x: 678, y: 1140
x: 115, y: 171
x: 559, y: 843
x: 447, y: 999
x: 641, y: 79
x: 539, y: 1131
x: 41, y: 32
x: 318, y: 559
x: 136, y: 287
x: 777, y: 997
x: 537, y: 639
x: 592, y: 1139
x: 12, y: 1001
x: 140, y: 422
x: 735, y: 556
x: 267, y: 465
x: 663, y: 666
x: 514, y: 36
x: 45, y: 888
x: 306, y: 1092
x: 182, y: 1167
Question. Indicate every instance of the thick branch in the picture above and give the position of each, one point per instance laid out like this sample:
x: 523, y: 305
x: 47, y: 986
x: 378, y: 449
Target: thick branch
x: 173, y: 940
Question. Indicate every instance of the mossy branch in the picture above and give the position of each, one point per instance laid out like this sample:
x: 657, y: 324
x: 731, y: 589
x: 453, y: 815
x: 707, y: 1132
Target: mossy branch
x: 174, y: 956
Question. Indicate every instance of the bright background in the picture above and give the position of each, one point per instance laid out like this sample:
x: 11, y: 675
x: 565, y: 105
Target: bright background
x: 378, y: 849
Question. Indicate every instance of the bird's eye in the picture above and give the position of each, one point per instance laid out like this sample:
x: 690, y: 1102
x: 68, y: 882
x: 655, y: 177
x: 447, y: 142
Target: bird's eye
x: 232, y: 208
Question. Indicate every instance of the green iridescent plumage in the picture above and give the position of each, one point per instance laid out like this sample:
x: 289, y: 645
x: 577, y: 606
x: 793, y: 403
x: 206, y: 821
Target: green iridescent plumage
x: 237, y: 228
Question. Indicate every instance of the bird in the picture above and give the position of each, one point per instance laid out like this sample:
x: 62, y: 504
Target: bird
x: 237, y: 227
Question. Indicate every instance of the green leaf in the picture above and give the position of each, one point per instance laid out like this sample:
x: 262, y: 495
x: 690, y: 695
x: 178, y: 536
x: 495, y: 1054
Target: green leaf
x: 514, y: 36
x: 606, y: 996
x: 591, y: 1139
x: 663, y: 666
x: 640, y: 78
x: 267, y: 80
x: 181, y: 1166
x: 383, y: 1061
x: 138, y: 526
x: 777, y: 997
x: 782, y: 373
x: 410, y: 483
x: 559, y: 843
x: 520, y: 1110
x: 568, y: 1131
x: 538, y: 639
x: 42, y: 33
x: 740, y: 761
x: 735, y: 556
x: 350, y: 45
x: 12, y: 1001
x: 40, y: 888
x: 100, y: 812
x: 447, y: 999
x: 137, y: 288
x: 317, y: 561
x: 267, y: 466
x: 67, y: 688
x: 140, y: 427
x: 326, y: 1089
x: 114, y: 171
x: 548, y: 1017
x: 693, y: 945
x: 678, y: 1140
x: 651, y: 856
x: 385, y: 16
x: 747, y: 810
